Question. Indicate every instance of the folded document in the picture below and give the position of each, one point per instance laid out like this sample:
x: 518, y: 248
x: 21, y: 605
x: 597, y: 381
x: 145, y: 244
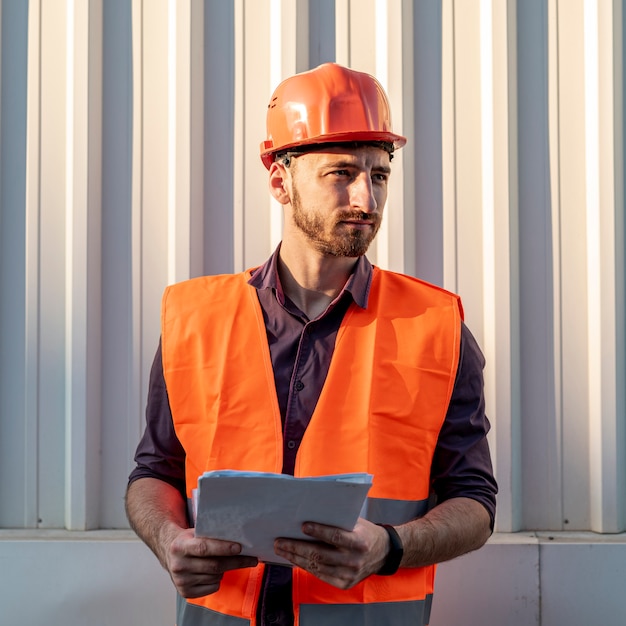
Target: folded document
x: 254, y: 508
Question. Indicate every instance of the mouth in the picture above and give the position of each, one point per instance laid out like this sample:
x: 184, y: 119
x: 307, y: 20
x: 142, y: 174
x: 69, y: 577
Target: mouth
x: 357, y: 227
x: 359, y: 222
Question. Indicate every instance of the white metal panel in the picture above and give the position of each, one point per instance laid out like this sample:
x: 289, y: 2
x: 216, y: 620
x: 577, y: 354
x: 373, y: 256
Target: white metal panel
x: 185, y: 148
x: 570, y: 568
x: 480, y: 213
x: 553, y: 507
x: 573, y: 273
x: 448, y: 149
x: 194, y: 47
x: 288, y: 23
x: 498, y: 585
x: 489, y: 92
x: 135, y: 305
x: 83, y: 264
x: 17, y: 414
x: 219, y: 139
x: 31, y: 278
x: 342, y: 31
x: 51, y: 277
x: 393, y: 44
x: 155, y: 182
x: 501, y: 271
x: 253, y: 44
x: 361, y: 35
x: 524, y: 579
x: 239, y: 161
x: 469, y: 165
x: 122, y: 419
x: 424, y: 209
x: 320, y: 27
x: 78, y: 579
x: 539, y: 394
x: 186, y: 193
x: 605, y: 263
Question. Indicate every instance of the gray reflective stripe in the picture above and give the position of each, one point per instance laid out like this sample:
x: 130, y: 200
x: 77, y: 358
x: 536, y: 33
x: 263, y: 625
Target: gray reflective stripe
x: 193, y: 615
x: 413, y: 613
x: 394, y: 512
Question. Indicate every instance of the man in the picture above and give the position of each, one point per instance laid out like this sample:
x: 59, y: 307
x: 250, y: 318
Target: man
x: 318, y: 363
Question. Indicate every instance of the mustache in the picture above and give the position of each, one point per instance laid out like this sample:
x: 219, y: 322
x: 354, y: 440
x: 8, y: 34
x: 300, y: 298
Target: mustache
x: 359, y: 215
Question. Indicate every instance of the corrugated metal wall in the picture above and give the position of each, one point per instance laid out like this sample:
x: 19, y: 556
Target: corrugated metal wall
x: 129, y: 160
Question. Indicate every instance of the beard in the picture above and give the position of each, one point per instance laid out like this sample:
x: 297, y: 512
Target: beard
x: 331, y: 237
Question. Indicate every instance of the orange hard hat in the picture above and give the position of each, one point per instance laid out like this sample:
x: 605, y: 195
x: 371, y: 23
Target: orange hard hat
x: 328, y: 104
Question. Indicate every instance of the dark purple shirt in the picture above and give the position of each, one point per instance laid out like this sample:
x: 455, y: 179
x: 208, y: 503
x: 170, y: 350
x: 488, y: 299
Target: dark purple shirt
x: 301, y: 350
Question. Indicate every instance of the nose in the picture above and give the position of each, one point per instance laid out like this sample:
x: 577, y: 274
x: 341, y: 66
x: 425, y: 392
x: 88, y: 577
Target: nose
x: 362, y: 194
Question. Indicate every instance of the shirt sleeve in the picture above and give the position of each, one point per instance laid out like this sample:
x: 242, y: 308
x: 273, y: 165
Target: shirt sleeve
x: 462, y: 461
x: 159, y: 453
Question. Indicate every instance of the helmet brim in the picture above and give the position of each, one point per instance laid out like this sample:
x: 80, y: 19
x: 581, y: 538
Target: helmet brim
x: 268, y: 152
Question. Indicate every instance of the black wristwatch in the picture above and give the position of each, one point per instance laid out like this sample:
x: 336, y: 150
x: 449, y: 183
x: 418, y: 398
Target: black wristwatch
x: 392, y: 562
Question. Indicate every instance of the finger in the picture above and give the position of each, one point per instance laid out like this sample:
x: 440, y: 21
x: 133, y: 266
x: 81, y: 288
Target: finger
x: 195, y: 586
x: 321, y: 563
x: 309, y: 560
x: 195, y: 577
x: 309, y: 555
x: 199, y: 591
x: 212, y: 565
x: 205, y: 548
x: 226, y: 564
x: 328, y: 534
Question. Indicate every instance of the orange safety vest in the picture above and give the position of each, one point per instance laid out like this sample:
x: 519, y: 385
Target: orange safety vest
x: 380, y: 411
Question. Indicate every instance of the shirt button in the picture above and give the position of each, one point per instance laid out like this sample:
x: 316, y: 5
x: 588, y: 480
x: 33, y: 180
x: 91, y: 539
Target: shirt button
x: 299, y: 386
x: 291, y: 444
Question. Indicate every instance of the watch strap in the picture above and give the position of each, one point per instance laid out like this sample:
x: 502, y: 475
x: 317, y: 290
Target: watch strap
x: 394, y: 556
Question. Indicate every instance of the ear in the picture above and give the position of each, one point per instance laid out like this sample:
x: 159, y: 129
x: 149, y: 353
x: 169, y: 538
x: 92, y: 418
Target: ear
x: 278, y: 183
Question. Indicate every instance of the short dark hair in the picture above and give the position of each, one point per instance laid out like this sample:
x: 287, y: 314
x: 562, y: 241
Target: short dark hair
x: 286, y: 155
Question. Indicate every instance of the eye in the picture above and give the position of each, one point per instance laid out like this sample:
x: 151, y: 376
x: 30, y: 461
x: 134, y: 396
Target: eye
x: 341, y: 173
x: 379, y: 177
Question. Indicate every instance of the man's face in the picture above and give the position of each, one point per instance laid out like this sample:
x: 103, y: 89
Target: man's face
x: 337, y: 198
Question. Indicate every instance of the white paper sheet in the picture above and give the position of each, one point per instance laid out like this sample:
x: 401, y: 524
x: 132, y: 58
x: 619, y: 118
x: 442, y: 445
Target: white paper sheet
x: 254, y: 508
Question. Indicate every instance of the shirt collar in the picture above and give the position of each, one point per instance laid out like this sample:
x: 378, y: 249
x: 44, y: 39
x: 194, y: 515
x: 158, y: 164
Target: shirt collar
x: 358, y: 285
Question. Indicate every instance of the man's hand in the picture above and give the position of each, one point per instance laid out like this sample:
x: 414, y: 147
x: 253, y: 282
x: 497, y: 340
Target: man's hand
x: 343, y: 559
x: 196, y: 564
x: 339, y: 557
